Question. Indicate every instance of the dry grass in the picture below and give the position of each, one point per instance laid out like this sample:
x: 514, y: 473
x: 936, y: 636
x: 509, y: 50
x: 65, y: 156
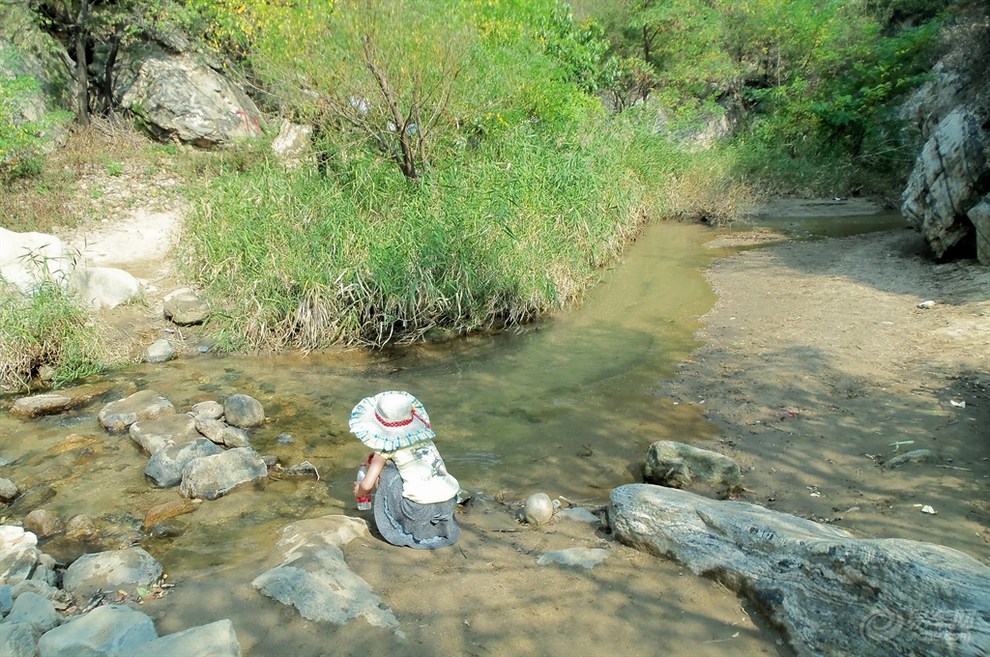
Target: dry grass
x: 59, y: 198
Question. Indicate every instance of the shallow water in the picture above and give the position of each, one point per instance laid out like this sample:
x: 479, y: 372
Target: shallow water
x: 563, y: 406
x: 567, y: 406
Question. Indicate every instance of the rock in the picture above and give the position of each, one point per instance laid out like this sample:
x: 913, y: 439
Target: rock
x: 19, y: 554
x: 950, y: 178
x: 33, y: 497
x: 216, y: 639
x: 104, y: 287
x: 43, y: 589
x: 35, y: 54
x: 678, y: 465
x: 582, y: 557
x: 234, y: 437
x: 579, y: 514
x: 243, y: 411
x: 979, y: 214
x: 169, y: 510
x: 6, y: 600
x: 28, y: 259
x: 50, y: 403
x: 538, y: 509
x: 8, y: 490
x: 211, y: 477
x: 143, y: 405
x: 43, y: 523
x: 36, y: 611
x: 165, y: 466
x: 314, y: 578
x: 108, y: 631
x: 155, y: 435
x: 831, y: 593
x: 212, y: 429
x: 210, y: 410
x: 110, y: 571
x: 185, y: 308
x: 17, y: 640
x: 292, y: 143
x: 914, y: 456
x: 159, y: 351
x: 178, y: 98
x: 80, y: 528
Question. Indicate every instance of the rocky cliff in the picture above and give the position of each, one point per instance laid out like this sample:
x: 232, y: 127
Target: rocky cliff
x: 948, y: 194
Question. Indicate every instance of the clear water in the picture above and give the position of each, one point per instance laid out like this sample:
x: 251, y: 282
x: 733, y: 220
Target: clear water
x: 566, y: 406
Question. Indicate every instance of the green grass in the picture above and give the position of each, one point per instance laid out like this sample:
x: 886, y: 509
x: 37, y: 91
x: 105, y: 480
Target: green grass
x: 46, y: 330
x: 363, y: 256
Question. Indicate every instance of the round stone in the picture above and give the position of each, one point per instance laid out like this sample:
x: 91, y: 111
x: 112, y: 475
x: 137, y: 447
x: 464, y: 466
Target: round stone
x: 538, y: 509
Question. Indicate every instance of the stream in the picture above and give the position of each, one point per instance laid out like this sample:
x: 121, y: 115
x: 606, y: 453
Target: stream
x: 567, y: 405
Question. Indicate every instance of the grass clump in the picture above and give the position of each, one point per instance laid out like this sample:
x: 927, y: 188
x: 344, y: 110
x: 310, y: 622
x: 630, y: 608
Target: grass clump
x: 516, y: 228
x: 46, y: 334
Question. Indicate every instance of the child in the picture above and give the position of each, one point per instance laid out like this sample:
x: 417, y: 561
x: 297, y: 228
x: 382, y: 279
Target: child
x: 416, y: 495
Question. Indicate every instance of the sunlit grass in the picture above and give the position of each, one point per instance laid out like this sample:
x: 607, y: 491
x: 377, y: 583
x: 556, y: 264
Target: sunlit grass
x: 46, y: 330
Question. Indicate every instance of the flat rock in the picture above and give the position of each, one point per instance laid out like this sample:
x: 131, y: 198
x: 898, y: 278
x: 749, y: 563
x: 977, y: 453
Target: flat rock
x: 51, y: 403
x: 832, y: 593
x: 117, y: 416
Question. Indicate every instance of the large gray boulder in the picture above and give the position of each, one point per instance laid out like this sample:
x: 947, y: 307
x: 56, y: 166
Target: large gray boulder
x: 951, y: 177
x: 831, y: 593
x: 29, y: 259
x: 216, y: 639
x: 179, y: 97
x: 28, y: 52
x: 17, y: 640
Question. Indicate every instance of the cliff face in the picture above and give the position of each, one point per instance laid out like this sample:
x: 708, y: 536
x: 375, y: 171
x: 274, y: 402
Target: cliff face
x: 948, y: 194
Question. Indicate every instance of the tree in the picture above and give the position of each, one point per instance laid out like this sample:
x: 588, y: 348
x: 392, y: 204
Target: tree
x: 384, y: 74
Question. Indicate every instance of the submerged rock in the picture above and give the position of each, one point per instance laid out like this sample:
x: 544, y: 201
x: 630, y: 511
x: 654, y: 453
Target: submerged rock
x: 314, y: 578
x: 51, y: 403
x: 143, y: 405
x: 210, y: 477
x: 243, y: 411
x: 109, y: 571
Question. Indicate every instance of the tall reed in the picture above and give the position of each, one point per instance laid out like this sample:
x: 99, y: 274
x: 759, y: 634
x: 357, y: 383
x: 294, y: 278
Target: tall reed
x: 362, y: 256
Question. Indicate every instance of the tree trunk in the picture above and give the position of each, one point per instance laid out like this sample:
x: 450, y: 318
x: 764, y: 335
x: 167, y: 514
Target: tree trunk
x: 108, y: 71
x: 82, y: 76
